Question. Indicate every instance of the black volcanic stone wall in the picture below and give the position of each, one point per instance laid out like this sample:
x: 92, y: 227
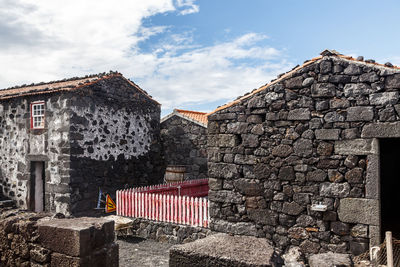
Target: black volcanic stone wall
x: 115, y: 143
x: 184, y: 143
x: 306, y: 139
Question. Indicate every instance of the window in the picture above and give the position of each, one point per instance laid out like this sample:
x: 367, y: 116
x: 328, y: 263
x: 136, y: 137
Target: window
x: 37, y: 115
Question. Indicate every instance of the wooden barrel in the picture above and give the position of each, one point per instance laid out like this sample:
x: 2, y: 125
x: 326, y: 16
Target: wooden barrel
x: 174, y: 173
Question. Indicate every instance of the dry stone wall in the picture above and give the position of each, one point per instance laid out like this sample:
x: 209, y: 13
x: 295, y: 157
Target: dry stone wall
x: 308, y: 138
x: 185, y: 143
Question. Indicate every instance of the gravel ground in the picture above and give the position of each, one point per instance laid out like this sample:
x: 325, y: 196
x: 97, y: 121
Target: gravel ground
x: 134, y: 251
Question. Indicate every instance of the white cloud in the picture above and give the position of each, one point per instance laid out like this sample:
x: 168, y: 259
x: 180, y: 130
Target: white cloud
x: 48, y: 39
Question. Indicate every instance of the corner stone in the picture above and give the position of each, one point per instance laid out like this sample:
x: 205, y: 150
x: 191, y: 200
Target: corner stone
x: 359, y: 210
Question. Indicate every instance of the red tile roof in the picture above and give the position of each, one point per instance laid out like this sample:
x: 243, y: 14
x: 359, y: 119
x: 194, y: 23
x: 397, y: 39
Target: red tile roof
x: 306, y: 63
x: 63, y: 85
x: 195, y: 115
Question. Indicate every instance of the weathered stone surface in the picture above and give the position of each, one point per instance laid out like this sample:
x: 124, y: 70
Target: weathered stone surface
x: 282, y: 151
x: 381, y: 130
x: 308, y: 247
x: 299, y: 114
x: 298, y: 233
x: 292, y: 208
x: 369, y: 77
x: 372, y: 187
x: 335, y: 176
x: 308, y: 82
x: 248, y: 187
x: 323, y: 90
x: 223, y: 170
x: 263, y: 216
x: 356, y: 89
x: 75, y: 237
x: 360, y: 114
x: 340, y: 228
x: 352, y: 69
x: 337, y: 103
x: 286, y: 173
x: 356, y: 147
x: 359, y: 210
x: 316, y: 176
x: 324, y: 149
x: 340, y: 190
x: 294, y: 83
x: 327, y: 134
x: 225, y: 196
x: 213, y: 251
x: 393, y: 81
x: 303, y: 147
x: 354, y: 176
x: 330, y: 259
x: 384, y: 98
x: 359, y: 230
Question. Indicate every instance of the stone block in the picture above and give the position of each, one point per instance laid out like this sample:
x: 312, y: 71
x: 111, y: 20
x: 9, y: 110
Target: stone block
x: 299, y: 114
x: 214, y: 251
x: 360, y: 114
x: 359, y: 210
x: 294, y: 83
x: 292, y: 208
x: 263, y: 216
x: 225, y: 196
x: 286, y: 173
x: 356, y: 89
x: 372, y: 189
x: 340, y: 228
x: 393, y: 81
x: 282, y: 151
x: 330, y: 259
x: 248, y: 187
x: 354, y: 176
x: 381, y: 130
x: 357, y: 147
x: 386, y: 98
x: 316, y: 176
x: 323, y: 90
x: 62, y: 260
x: 374, y: 235
x: 340, y: 190
x: 327, y: 134
x: 227, y: 140
x: 75, y: 237
x: 303, y: 147
x: 359, y: 230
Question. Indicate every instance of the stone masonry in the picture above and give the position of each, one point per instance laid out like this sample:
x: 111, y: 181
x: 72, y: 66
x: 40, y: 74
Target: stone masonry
x: 184, y: 142
x: 35, y: 239
x: 308, y: 137
x: 101, y: 131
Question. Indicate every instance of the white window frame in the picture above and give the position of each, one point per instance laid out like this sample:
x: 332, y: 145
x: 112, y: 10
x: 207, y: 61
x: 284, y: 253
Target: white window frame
x: 38, y: 115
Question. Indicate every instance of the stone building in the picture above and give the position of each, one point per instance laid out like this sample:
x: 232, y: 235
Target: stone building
x: 310, y: 159
x: 184, y: 140
x: 62, y: 141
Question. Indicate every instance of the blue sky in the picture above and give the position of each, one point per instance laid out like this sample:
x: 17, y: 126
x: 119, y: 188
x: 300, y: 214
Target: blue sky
x: 187, y: 54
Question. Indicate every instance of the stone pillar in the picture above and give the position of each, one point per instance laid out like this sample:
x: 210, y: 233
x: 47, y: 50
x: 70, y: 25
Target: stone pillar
x: 79, y: 242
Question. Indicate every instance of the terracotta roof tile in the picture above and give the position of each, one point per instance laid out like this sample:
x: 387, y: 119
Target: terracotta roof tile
x: 283, y: 76
x: 195, y: 115
x: 62, y: 85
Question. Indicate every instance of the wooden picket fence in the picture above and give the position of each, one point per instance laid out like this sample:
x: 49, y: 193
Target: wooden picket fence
x: 164, y: 208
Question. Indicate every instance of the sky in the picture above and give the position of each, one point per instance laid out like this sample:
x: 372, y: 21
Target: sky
x: 188, y: 54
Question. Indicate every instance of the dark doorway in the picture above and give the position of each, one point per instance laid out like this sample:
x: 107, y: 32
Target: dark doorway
x: 390, y: 186
x: 36, y: 192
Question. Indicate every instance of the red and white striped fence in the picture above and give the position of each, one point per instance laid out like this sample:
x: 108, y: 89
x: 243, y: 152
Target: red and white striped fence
x: 164, y: 208
x: 193, y: 188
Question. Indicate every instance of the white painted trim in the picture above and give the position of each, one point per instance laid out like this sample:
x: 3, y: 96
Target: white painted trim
x: 176, y: 113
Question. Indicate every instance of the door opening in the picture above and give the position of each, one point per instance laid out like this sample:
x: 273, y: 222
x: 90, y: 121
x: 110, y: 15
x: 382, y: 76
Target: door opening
x: 390, y: 186
x: 37, y: 186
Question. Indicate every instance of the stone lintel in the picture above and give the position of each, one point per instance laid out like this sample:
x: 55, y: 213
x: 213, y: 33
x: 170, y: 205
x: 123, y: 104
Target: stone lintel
x: 381, y: 130
x: 359, y: 210
x: 357, y: 147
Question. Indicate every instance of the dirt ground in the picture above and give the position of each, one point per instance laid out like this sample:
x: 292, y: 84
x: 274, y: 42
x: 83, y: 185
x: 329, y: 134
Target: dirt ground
x: 134, y: 251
